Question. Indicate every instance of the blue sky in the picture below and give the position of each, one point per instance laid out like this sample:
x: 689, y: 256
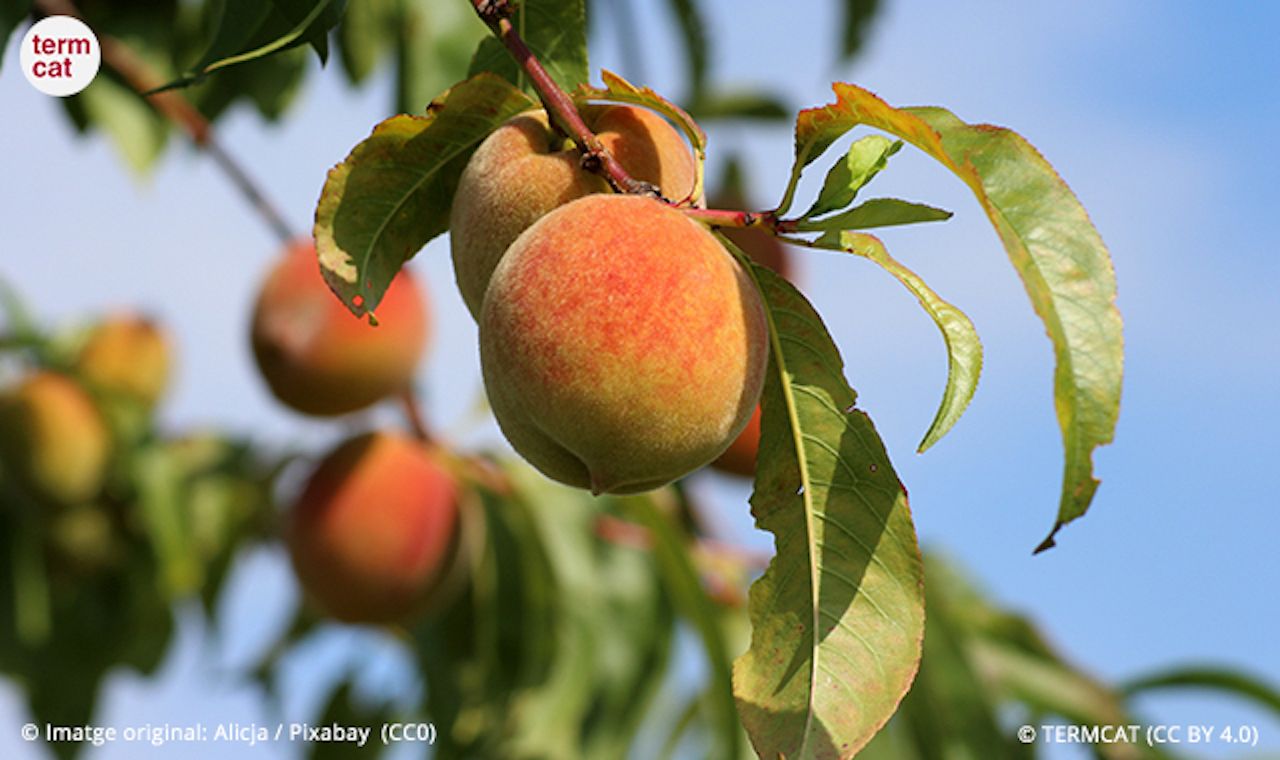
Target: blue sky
x: 1158, y: 114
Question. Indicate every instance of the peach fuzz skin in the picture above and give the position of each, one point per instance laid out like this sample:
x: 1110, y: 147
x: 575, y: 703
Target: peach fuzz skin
x: 375, y: 529
x: 53, y: 440
x: 320, y: 359
x: 523, y: 170
x: 622, y: 346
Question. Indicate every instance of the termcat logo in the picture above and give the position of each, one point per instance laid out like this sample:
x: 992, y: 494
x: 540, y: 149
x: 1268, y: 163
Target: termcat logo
x: 60, y: 55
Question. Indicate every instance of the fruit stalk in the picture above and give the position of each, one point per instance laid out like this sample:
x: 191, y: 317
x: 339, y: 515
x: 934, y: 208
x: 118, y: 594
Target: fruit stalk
x: 496, y: 14
x: 413, y: 415
x: 120, y: 58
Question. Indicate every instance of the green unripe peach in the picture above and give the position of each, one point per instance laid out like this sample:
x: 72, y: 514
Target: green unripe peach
x: 53, y: 440
x: 320, y: 359
x: 622, y: 346
x: 375, y: 529
x: 126, y: 355
x: 525, y: 169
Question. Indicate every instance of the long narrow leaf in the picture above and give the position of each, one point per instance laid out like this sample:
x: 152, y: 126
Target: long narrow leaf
x: 1217, y: 679
x: 964, y: 350
x: 1055, y: 249
x: 682, y: 583
x: 838, y: 617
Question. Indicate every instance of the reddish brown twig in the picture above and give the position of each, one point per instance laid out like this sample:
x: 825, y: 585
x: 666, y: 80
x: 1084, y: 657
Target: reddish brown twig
x: 496, y: 14
x: 413, y: 414
x: 171, y: 104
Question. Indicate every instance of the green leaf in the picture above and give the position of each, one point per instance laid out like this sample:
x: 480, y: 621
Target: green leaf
x: 1047, y: 684
x: 31, y: 613
x: 345, y: 708
x: 950, y: 711
x: 1014, y: 660
x: 317, y: 17
x: 1055, y: 249
x: 272, y: 84
x: 18, y: 325
x: 12, y: 13
x: 561, y: 640
x: 162, y: 504
x: 838, y: 617
x: 365, y: 35
x: 392, y: 194
x: 556, y: 32
x: 877, y: 212
x: 247, y: 30
x: 865, y: 159
x: 693, y: 34
x: 138, y: 131
x: 434, y: 46
x: 235, y: 23
x: 1223, y: 680
x: 757, y: 106
x: 964, y: 350
x: 688, y: 717
x: 613, y: 628
x: 858, y: 15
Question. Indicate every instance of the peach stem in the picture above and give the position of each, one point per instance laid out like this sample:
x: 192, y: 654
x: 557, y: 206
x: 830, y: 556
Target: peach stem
x: 496, y: 14
x: 413, y: 413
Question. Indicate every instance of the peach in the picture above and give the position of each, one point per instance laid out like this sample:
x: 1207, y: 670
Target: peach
x: 320, y: 359
x: 740, y: 457
x: 54, y: 442
x: 524, y: 169
x: 622, y: 347
x: 126, y: 355
x: 374, y: 531
x: 765, y: 249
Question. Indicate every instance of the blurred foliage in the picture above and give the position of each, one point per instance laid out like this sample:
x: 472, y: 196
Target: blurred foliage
x: 554, y: 638
x: 90, y: 587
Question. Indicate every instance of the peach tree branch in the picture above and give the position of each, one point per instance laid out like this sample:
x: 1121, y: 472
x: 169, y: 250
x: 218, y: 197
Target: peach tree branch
x: 496, y: 14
